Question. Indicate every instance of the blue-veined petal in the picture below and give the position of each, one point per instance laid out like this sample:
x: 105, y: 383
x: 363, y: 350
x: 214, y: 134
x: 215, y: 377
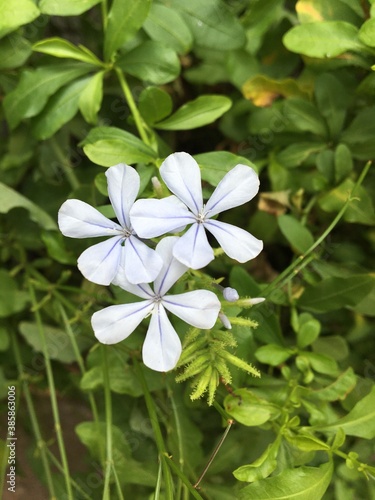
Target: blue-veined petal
x: 172, y: 269
x: 151, y: 218
x: 237, y: 187
x: 199, y: 308
x: 142, y: 264
x: 100, y: 262
x: 236, y: 242
x: 193, y: 248
x: 78, y: 219
x: 123, y: 186
x: 162, y: 346
x: 115, y: 323
x: 182, y: 175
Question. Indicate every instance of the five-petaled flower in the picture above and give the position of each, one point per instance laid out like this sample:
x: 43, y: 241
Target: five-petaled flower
x: 162, y: 346
x: 101, y: 262
x: 181, y: 173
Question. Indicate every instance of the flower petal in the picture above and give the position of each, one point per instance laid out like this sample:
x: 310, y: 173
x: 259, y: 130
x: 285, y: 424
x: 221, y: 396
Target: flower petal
x: 162, y: 346
x: 182, y: 175
x: 172, y: 269
x: 199, y: 308
x: 193, y: 248
x: 152, y: 218
x: 236, y: 242
x: 78, y: 219
x: 142, y: 264
x: 100, y: 262
x: 237, y: 187
x: 115, y: 323
x: 142, y: 290
x: 123, y: 186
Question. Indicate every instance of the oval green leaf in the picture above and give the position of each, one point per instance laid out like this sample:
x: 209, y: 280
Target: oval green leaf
x: 296, y: 233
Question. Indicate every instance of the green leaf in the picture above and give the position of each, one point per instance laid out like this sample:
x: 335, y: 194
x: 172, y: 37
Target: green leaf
x: 58, y: 47
x: 67, y: 7
x: 91, y: 97
x: 305, y: 116
x: 216, y: 164
x: 211, y: 22
x: 308, y: 332
x: 339, y: 389
x: 11, y: 199
x: 35, y: 87
x: 324, y: 39
x: 108, y: 146
x: 14, y: 50
x: 343, y: 162
x: 124, y: 20
x: 367, y: 32
x: 359, y: 135
x: 273, y: 354
x: 59, y: 110
x: 249, y: 409
x: 300, y: 483
x: 55, y: 246
x: 322, y: 363
x: 360, y: 421
x: 335, y: 293
x: 201, y: 111
x: 328, y: 10
x: 262, y: 467
x: 59, y: 346
x: 295, y: 154
x: 332, y: 100
x: 154, y: 104
x: 12, y: 300
x: 296, y: 233
x: 360, y: 210
x: 166, y: 25
x: 151, y: 61
x: 305, y: 442
x: 15, y: 13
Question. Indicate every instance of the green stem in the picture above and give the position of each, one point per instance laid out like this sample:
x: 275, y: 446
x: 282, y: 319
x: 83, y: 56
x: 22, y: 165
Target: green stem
x: 215, y: 452
x: 33, y: 418
x: 118, y: 485
x: 182, y: 476
x: 157, y: 431
x: 133, y: 108
x: 108, y: 422
x: 66, y: 165
x: 285, y: 275
x: 53, y: 396
x: 104, y: 14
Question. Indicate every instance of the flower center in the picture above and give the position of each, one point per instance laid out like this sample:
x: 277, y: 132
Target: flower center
x: 201, y: 215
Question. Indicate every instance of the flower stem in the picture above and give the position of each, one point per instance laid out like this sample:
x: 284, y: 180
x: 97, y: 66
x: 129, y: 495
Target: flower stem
x: 168, y: 483
x: 133, y: 108
x: 104, y: 14
x: 53, y: 396
x: 301, y: 261
x: 214, y: 453
x: 108, y: 422
x: 182, y: 476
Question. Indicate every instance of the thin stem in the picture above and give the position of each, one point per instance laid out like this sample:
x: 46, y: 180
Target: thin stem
x: 322, y: 237
x: 182, y: 476
x: 53, y: 396
x: 33, y: 418
x: 66, y: 165
x: 118, y: 485
x: 157, y: 431
x: 133, y: 108
x: 108, y: 422
x: 104, y: 14
x: 214, y: 453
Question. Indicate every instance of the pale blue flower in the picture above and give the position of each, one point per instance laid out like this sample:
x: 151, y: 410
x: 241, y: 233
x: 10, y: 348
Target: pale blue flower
x: 101, y: 262
x: 162, y: 346
x: 181, y: 174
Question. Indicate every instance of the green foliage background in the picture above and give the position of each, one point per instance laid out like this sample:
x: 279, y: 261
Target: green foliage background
x: 285, y: 86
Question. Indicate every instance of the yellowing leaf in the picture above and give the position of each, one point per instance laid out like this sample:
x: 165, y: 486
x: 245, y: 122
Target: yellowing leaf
x: 262, y: 91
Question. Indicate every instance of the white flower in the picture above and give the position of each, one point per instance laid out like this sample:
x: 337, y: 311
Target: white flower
x: 100, y: 263
x: 181, y: 174
x: 162, y: 346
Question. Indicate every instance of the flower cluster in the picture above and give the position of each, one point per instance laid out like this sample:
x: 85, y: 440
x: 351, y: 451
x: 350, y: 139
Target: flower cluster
x: 127, y: 261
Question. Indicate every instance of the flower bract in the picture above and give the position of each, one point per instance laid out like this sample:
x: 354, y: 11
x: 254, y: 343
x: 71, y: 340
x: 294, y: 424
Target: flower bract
x: 181, y: 174
x: 100, y: 263
x: 162, y: 346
